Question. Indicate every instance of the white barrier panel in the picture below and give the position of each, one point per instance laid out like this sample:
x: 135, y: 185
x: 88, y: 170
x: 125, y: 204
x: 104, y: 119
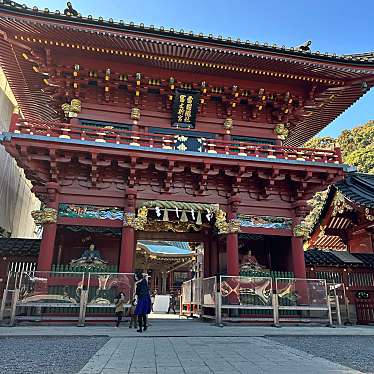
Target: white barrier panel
x: 209, y: 291
x: 187, y: 292
x: 47, y: 289
x: 104, y: 288
x: 196, y: 285
x: 302, y: 293
x: 246, y: 291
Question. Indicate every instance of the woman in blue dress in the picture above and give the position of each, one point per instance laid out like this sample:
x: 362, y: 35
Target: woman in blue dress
x: 143, y: 306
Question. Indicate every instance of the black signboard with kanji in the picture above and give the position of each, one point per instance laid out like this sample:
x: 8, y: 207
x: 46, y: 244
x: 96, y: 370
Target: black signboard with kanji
x: 185, y: 106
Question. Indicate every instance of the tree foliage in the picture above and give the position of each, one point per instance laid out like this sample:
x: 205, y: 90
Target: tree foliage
x: 357, y: 146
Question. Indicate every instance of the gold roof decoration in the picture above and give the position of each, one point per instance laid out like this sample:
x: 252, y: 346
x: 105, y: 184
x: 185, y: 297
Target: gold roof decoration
x: 71, y: 110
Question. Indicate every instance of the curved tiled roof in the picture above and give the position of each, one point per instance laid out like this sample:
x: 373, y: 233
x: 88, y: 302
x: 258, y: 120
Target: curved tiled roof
x: 19, y: 247
x: 358, y: 188
x: 110, y: 24
x: 366, y: 258
x: 330, y: 258
x: 344, y: 78
x: 318, y: 257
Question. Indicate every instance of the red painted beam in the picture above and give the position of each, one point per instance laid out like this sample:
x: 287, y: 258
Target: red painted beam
x: 89, y: 222
x: 266, y: 231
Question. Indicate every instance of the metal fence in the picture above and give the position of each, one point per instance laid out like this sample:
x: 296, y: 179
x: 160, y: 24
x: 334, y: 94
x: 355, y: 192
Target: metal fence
x: 260, y: 299
x: 9, y: 292
x: 38, y: 295
x: 187, y: 292
x: 209, y: 292
x: 302, y: 299
x: 196, y: 286
x: 191, y: 297
x: 102, y: 289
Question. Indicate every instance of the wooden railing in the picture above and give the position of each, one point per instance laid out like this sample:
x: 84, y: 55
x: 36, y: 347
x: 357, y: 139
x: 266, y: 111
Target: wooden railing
x: 111, y: 135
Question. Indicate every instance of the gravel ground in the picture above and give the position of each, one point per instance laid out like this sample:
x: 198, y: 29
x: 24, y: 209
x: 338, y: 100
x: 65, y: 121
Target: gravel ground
x: 55, y: 355
x: 356, y: 352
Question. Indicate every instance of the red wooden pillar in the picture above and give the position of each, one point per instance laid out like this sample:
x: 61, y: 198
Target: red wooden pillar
x: 47, y: 245
x: 232, y: 254
x: 128, y: 240
x: 232, y: 241
x: 297, y: 253
x: 297, y: 250
x: 213, y: 258
x: 206, y: 257
x: 127, y: 255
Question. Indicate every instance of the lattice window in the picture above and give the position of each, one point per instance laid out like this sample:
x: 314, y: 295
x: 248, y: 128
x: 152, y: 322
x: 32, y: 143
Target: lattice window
x: 330, y: 276
x: 361, y: 279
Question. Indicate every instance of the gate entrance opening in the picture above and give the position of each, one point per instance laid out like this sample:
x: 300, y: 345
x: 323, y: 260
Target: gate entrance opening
x: 168, y: 264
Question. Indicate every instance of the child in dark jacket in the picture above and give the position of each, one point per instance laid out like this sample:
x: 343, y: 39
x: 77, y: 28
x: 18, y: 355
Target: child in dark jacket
x: 132, y: 315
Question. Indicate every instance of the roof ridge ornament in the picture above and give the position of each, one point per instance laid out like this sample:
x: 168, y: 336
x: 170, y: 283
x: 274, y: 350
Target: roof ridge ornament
x: 70, y: 11
x: 305, y: 47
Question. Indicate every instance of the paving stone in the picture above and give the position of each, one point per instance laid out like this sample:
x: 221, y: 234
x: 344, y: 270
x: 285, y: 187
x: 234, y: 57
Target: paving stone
x: 215, y: 354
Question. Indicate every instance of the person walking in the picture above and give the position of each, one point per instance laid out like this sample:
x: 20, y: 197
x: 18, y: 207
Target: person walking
x: 172, y: 303
x: 153, y: 298
x: 119, y: 302
x: 143, y: 307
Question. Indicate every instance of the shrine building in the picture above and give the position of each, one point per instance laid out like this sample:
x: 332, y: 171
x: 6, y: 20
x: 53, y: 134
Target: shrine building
x: 135, y: 134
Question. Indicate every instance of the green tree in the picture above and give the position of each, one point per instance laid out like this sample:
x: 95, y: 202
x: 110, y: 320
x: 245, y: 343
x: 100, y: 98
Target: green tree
x: 357, y: 146
x: 325, y: 142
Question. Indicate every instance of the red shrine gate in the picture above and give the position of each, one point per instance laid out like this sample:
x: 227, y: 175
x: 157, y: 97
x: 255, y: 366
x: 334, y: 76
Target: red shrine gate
x: 120, y: 120
x: 96, y: 175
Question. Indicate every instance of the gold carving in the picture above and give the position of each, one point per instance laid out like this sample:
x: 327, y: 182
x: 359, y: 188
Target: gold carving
x: 368, y: 216
x: 174, y: 226
x: 281, y: 131
x: 71, y: 110
x: 181, y: 138
x: 128, y: 219
x: 224, y: 227
x: 181, y: 147
x: 135, y: 114
x: 137, y: 222
x: 44, y: 216
x: 340, y: 204
x: 140, y: 221
x: 301, y: 230
x: 228, y: 124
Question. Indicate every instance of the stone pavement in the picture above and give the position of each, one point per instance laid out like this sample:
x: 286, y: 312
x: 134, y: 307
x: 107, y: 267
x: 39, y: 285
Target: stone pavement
x: 182, y: 328
x: 205, y: 355
x: 190, y: 346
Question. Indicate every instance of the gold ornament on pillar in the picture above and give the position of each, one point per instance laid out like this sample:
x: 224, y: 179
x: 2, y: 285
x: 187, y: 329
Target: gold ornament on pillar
x: 301, y: 230
x: 128, y: 219
x: 44, y: 216
x: 228, y: 124
x: 224, y: 227
x: 135, y: 115
x: 137, y: 222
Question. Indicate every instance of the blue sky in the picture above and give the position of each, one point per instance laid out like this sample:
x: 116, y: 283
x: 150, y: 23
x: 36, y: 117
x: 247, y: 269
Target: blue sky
x: 340, y: 26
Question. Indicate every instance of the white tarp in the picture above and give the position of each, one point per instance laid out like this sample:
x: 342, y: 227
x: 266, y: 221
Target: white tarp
x: 16, y: 199
x: 161, y: 303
